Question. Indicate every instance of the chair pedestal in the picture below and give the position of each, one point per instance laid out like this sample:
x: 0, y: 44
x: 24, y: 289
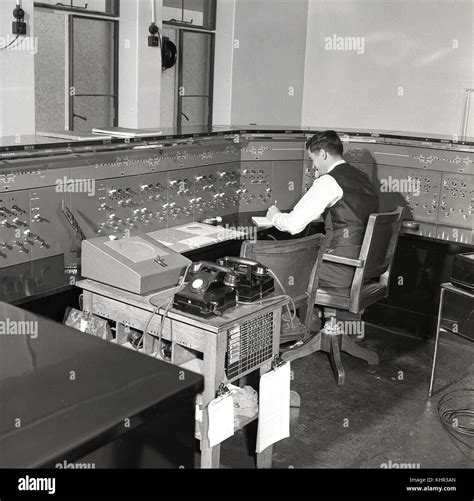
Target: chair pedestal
x: 332, y: 344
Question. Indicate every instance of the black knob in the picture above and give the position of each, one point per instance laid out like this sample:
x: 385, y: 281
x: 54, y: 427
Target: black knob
x: 18, y: 13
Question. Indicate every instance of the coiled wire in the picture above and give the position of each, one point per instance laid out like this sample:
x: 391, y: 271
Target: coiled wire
x: 456, y: 413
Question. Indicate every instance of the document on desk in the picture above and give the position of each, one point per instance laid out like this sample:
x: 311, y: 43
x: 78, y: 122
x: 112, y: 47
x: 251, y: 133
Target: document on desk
x: 261, y: 222
x: 221, y: 419
x: 274, y: 409
x: 196, y: 242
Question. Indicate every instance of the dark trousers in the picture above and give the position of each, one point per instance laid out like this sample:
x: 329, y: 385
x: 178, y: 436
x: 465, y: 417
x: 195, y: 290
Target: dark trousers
x: 338, y: 275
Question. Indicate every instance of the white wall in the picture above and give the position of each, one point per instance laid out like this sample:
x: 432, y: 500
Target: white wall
x: 417, y: 59
x: 17, y: 88
x: 223, y: 62
x: 409, y: 50
x: 268, y: 61
x: 139, y: 66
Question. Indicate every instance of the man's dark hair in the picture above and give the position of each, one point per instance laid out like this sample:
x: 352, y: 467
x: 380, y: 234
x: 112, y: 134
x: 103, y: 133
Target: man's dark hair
x: 327, y: 140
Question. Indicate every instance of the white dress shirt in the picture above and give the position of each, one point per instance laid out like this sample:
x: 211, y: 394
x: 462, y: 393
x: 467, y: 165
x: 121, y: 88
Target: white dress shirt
x: 325, y: 192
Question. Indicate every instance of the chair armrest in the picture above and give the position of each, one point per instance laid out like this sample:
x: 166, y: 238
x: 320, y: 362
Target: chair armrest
x: 357, y: 263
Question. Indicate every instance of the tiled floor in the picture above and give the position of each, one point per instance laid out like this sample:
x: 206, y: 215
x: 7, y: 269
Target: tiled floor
x: 381, y: 416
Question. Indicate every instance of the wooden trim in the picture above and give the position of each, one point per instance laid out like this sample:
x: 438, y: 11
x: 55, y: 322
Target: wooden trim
x: 334, y: 258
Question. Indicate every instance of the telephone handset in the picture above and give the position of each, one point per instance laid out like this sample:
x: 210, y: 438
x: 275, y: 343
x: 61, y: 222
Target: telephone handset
x: 255, y: 279
x: 242, y: 264
x: 210, y: 289
x: 230, y: 278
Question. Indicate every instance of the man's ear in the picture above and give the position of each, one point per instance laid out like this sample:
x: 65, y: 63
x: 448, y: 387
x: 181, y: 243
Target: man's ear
x: 323, y: 153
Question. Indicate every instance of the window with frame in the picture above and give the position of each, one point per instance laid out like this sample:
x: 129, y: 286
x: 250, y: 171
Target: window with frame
x: 76, y: 66
x: 187, y: 88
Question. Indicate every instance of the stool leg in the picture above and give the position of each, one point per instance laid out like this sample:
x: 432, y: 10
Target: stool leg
x: 438, y: 325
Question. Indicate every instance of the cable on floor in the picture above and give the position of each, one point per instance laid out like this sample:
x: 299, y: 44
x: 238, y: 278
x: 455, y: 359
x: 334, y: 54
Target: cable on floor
x: 456, y: 413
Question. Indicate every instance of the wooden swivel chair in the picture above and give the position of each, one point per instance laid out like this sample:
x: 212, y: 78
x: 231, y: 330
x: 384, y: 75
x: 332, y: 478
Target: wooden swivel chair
x: 295, y: 263
x: 369, y: 285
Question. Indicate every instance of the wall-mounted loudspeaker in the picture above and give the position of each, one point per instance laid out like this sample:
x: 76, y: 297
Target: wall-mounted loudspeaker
x: 169, y: 54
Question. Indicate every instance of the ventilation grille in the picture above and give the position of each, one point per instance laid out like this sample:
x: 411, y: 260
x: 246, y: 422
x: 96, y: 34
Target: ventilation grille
x: 249, y: 345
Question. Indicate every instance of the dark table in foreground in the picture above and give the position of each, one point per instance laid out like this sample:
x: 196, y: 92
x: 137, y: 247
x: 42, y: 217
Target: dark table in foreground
x: 67, y: 396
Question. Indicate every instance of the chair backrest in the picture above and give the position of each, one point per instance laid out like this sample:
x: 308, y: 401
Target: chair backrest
x: 295, y: 263
x: 378, y: 249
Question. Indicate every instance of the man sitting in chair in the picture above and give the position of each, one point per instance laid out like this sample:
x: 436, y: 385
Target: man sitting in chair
x: 343, y: 195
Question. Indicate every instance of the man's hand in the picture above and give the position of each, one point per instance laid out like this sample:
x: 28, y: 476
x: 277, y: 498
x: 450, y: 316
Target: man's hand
x: 272, y: 212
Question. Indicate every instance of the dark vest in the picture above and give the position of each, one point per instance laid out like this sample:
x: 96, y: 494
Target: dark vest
x: 347, y: 219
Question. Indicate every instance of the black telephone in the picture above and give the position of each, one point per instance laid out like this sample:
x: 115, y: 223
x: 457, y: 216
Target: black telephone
x: 210, y: 289
x: 255, y: 281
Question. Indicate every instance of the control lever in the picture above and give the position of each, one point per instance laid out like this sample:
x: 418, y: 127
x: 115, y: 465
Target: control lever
x: 72, y: 221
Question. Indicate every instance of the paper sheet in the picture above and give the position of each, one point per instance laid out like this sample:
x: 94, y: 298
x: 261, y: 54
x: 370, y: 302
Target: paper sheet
x: 194, y: 235
x: 195, y: 242
x: 168, y: 244
x: 199, y: 229
x: 221, y: 419
x: 262, y: 221
x: 274, y: 411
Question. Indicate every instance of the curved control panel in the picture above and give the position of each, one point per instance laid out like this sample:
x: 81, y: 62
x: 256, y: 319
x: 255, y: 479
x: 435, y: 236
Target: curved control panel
x: 117, y: 188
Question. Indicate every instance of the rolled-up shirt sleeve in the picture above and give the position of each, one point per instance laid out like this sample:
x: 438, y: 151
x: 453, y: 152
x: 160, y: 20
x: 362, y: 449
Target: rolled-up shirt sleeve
x: 325, y: 192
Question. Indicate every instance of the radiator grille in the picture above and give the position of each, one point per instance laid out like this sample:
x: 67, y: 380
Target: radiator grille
x: 249, y: 345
